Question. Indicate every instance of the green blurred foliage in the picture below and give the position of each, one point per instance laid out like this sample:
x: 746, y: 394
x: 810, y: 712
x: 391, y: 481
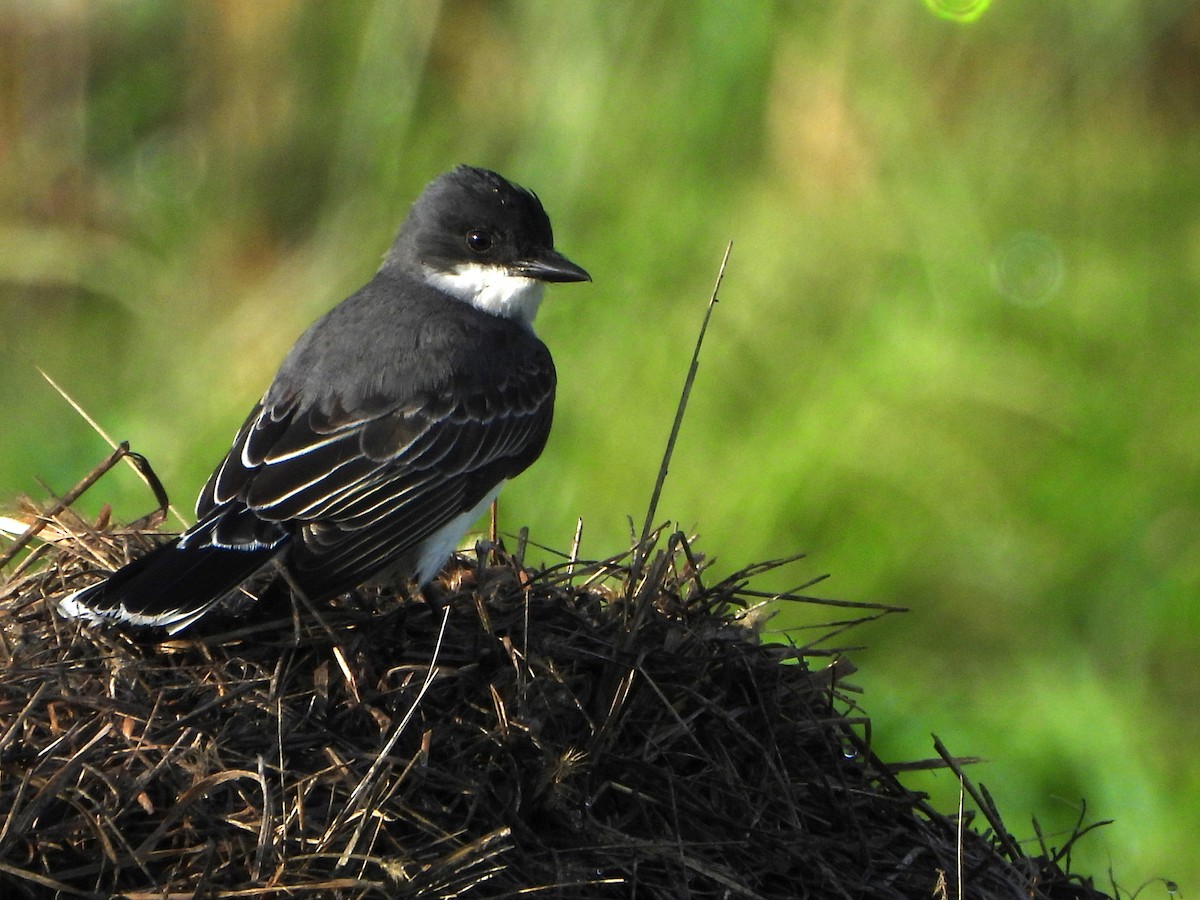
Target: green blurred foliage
x: 955, y: 358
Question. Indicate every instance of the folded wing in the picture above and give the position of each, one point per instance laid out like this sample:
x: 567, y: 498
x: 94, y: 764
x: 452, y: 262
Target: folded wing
x: 360, y: 490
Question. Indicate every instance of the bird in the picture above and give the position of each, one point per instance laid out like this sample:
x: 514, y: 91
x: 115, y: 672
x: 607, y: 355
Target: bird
x: 390, y: 426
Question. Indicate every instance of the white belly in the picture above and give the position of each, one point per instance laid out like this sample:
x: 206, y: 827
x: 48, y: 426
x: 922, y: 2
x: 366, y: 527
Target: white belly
x: 436, y: 548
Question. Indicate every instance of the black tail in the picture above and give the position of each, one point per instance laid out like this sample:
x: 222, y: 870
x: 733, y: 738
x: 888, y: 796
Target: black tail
x: 171, y: 586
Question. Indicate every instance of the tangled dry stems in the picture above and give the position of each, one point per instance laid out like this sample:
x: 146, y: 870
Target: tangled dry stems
x: 610, y: 728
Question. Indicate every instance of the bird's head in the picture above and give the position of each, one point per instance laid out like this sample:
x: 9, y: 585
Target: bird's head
x: 484, y: 240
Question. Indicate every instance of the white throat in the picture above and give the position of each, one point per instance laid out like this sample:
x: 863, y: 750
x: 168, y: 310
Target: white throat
x: 491, y: 289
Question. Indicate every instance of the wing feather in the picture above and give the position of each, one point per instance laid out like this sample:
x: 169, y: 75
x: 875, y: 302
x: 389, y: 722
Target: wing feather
x: 364, y: 493
x: 359, y: 467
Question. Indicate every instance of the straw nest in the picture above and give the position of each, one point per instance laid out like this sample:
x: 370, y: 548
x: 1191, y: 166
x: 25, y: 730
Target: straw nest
x: 608, y: 728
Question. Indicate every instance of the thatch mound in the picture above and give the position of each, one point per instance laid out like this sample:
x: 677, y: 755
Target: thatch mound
x: 599, y: 729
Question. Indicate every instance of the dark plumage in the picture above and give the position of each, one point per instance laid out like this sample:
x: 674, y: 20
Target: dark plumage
x: 390, y: 425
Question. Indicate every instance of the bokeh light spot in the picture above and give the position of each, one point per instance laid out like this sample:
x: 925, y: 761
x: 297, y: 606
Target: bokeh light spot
x: 958, y: 10
x: 1028, y: 268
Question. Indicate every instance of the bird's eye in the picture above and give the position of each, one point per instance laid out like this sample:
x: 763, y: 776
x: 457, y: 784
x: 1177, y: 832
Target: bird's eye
x: 479, y: 240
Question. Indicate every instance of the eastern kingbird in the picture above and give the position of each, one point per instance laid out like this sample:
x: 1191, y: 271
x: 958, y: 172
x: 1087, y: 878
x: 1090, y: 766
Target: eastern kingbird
x: 391, y: 425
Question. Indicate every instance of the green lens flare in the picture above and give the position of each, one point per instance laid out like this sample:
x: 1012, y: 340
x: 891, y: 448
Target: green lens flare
x: 1028, y: 268
x: 958, y: 10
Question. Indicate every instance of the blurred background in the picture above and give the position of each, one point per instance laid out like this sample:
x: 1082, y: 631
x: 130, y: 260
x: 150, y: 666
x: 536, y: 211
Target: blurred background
x: 956, y: 358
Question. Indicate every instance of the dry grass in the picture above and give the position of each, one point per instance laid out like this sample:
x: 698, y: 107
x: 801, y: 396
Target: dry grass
x: 600, y: 729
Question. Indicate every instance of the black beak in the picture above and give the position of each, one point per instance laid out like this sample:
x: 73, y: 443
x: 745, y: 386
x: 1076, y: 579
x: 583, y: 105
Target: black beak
x: 551, y: 266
